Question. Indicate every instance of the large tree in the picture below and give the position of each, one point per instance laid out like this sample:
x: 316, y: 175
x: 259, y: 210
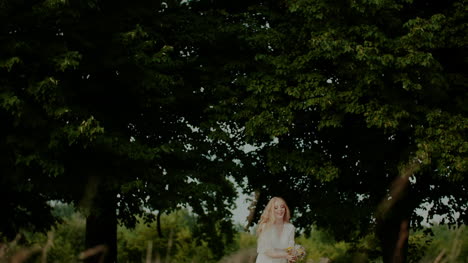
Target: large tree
x: 359, y: 111
x: 104, y: 104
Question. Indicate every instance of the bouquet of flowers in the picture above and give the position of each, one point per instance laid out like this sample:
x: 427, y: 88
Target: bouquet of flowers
x: 298, y: 251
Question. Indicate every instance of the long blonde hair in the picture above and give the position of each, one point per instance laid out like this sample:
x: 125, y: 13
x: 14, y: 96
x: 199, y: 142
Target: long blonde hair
x: 268, y: 217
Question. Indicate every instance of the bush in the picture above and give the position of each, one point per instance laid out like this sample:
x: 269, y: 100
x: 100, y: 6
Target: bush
x: 177, y: 244
x: 62, y: 243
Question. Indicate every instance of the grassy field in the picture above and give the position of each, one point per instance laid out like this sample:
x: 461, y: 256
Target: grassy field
x: 65, y: 243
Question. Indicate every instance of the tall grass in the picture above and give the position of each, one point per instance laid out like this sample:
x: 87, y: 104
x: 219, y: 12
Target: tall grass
x: 65, y: 243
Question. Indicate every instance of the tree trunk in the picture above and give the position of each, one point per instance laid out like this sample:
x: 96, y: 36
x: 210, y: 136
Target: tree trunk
x: 252, y: 208
x: 158, y: 222
x: 101, y: 229
x: 394, y: 240
x: 393, y: 222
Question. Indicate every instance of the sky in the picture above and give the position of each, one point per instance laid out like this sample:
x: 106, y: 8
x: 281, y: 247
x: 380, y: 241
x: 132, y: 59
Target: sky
x: 241, y: 212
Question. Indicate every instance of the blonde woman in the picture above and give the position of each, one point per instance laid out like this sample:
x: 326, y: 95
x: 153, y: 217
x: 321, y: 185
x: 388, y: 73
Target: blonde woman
x: 275, y: 233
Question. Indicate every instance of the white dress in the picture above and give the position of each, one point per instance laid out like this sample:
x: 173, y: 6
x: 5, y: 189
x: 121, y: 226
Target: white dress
x: 270, y: 239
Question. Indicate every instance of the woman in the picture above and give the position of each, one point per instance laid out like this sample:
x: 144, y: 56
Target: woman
x: 275, y: 233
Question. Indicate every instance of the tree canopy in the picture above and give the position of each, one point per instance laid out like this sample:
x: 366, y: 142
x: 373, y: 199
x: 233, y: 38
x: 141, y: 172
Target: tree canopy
x: 350, y: 98
x: 104, y: 105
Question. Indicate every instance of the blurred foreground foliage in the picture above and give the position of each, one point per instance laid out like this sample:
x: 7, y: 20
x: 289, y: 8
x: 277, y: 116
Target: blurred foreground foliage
x: 178, y: 242
x: 438, y: 243
x: 181, y: 240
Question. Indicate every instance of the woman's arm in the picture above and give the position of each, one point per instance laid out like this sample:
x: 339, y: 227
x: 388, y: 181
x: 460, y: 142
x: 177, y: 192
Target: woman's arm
x: 291, y: 234
x: 276, y: 253
x: 265, y: 246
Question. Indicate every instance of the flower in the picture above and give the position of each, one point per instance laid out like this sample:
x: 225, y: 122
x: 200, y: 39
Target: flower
x: 298, y: 251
